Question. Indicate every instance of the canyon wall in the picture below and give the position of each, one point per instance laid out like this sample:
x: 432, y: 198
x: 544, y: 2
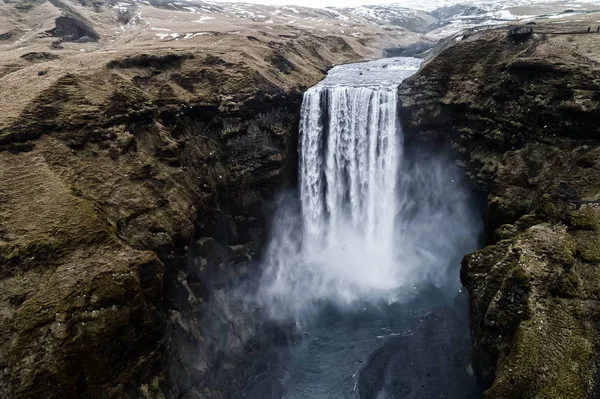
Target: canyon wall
x: 521, y: 118
x: 138, y: 174
x: 133, y: 190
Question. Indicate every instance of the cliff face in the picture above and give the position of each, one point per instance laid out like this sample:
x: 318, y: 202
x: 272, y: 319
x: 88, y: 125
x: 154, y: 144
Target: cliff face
x: 522, y: 119
x: 133, y: 187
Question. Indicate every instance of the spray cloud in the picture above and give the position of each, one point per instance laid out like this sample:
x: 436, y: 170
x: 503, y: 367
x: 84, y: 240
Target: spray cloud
x: 370, y: 221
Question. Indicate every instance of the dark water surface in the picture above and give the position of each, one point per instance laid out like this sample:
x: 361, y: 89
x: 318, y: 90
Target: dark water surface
x: 415, y: 350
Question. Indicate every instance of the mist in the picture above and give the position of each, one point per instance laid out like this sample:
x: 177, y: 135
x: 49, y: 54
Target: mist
x: 372, y: 220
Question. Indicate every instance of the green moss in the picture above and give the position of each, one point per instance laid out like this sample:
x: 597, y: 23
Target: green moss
x: 520, y: 278
x: 566, y: 285
x: 527, y: 221
x: 549, y: 209
x: 567, y: 251
x: 573, y: 376
x: 505, y: 232
x: 552, y: 241
x: 496, y: 137
x: 546, y: 362
x: 488, y: 163
x: 585, y: 218
x: 587, y: 244
x: 44, y: 252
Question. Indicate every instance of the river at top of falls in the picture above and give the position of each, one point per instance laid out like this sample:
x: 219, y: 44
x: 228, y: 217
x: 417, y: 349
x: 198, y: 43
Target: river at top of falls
x: 365, y: 255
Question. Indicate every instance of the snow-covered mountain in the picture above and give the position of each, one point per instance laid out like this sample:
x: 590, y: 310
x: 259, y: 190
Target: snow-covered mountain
x: 454, y: 15
x: 438, y: 18
x: 405, y: 28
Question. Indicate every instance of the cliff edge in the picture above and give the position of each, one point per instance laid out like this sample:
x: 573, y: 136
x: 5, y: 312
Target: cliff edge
x: 521, y: 117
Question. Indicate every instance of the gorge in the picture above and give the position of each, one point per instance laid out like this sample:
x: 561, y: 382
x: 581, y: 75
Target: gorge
x: 368, y: 266
x: 162, y: 216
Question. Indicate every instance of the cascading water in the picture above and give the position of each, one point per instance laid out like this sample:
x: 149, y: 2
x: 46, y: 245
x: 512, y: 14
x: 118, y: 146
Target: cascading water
x: 348, y: 165
x: 365, y: 256
x: 372, y: 223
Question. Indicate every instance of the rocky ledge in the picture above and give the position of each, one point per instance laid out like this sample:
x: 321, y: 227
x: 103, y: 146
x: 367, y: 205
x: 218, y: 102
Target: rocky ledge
x: 522, y: 119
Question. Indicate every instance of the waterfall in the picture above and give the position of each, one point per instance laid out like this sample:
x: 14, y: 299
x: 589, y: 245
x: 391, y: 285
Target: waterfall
x: 370, y: 223
x: 349, y: 155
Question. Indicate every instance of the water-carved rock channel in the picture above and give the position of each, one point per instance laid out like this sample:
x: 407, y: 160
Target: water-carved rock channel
x: 366, y: 256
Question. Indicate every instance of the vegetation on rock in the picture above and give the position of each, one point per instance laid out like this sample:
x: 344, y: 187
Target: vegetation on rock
x: 522, y: 119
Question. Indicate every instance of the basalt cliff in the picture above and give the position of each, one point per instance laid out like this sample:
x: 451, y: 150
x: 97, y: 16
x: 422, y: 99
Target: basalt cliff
x: 521, y: 116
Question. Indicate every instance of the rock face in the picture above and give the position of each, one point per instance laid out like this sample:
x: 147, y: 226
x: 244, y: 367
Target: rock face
x: 134, y: 187
x: 522, y: 119
x: 103, y: 191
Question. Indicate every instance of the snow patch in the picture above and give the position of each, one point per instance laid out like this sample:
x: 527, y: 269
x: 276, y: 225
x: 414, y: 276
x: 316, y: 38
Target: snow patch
x: 168, y: 35
x: 292, y: 9
x: 203, y: 19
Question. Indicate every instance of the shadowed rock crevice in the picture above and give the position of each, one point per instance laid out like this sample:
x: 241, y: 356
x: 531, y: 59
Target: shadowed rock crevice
x: 72, y: 29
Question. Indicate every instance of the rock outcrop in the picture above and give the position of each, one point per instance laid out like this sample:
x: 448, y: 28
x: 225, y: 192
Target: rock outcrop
x: 522, y: 120
x: 105, y: 190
